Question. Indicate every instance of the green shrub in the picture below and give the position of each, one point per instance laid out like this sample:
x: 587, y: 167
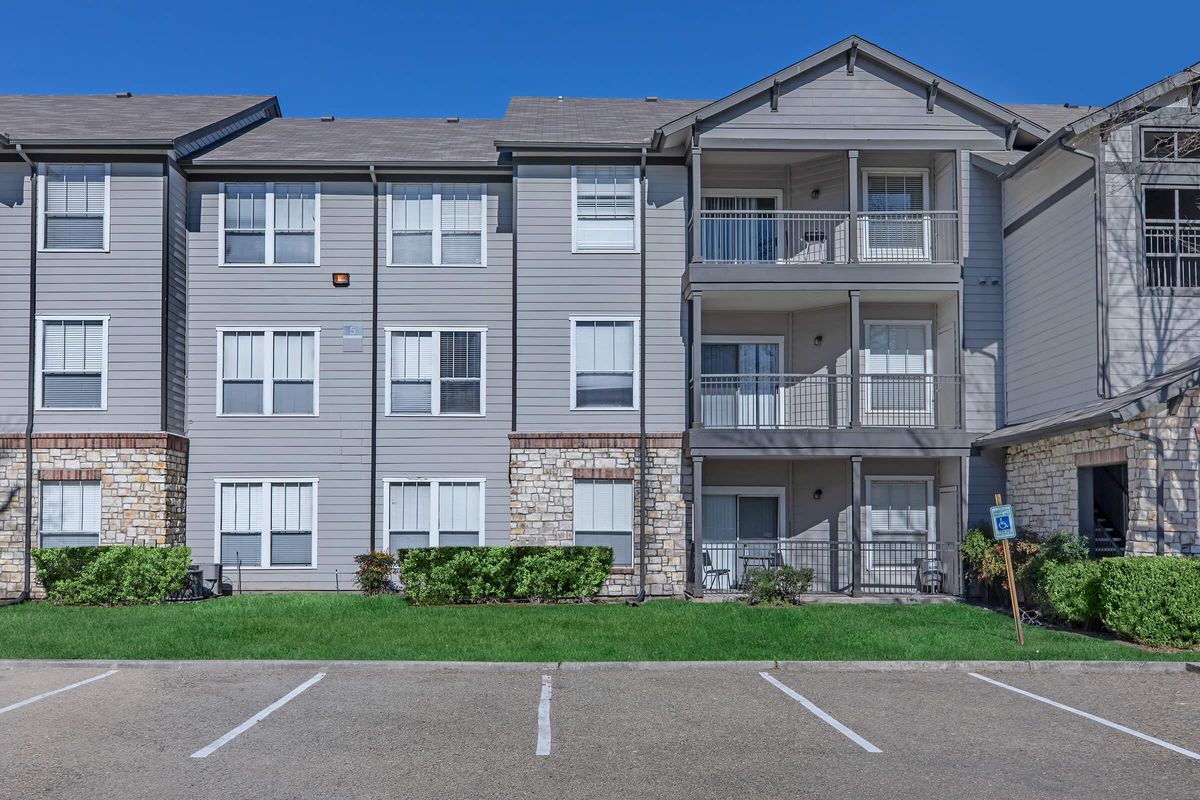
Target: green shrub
x: 1070, y: 591
x: 1153, y: 600
x: 782, y: 584
x: 375, y: 570
x: 442, y: 575
x: 984, y: 557
x: 106, y: 576
x: 1057, y: 548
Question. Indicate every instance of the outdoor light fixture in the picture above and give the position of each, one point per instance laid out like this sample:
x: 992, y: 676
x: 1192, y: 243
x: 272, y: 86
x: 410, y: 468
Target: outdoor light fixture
x: 817, y: 494
x: 817, y: 340
x: 341, y: 279
x: 816, y: 193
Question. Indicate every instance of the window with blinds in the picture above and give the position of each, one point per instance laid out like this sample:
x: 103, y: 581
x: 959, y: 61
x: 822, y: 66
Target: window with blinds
x: 899, y: 363
x: 75, y: 206
x: 435, y: 513
x: 269, y: 372
x: 604, y: 368
x: 436, y: 372
x: 603, y: 517
x: 267, y: 523
x: 606, y: 209
x: 73, y: 364
x: 894, y: 225
x: 270, y: 223
x: 70, y: 513
x: 899, y: 520
x: 436, y: 224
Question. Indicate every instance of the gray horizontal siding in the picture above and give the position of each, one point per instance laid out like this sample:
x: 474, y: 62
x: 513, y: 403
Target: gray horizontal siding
x: 983, y: 302
x: 14, y: 299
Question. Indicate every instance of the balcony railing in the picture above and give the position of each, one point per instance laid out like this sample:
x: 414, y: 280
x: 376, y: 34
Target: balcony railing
x: 778, y: 402
x: 822, y: 237
x: 905, y: 563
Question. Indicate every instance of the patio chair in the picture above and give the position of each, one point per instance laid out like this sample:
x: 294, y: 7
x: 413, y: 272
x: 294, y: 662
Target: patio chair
x: 714, y: 576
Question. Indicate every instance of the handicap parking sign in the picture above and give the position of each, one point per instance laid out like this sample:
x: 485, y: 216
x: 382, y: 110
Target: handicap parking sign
x: 1004, y: 524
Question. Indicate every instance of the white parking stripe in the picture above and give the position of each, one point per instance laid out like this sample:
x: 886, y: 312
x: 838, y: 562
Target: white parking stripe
x: 799, y: 698
x: 207, y: 751
x: 543, y: 740
x: 44, y: 695
x: 1092, y: 717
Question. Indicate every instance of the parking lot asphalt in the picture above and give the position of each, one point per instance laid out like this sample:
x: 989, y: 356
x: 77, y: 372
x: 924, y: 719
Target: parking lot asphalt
x: 313, y: 731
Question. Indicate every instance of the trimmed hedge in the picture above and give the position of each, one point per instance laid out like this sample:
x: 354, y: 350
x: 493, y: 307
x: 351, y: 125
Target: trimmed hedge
x: 1154, y: 600
x: 1070, y: 591
x: 441, y: 575
x: 107, y: 576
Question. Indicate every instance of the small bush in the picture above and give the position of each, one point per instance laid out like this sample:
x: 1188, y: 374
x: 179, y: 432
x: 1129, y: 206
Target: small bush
x: 777, y: 585
x: 984, y: 557
x: 441, y: 575
x: 1153, y: 600
x: 375, y: 571
x: 1057, y: 548
x: 1070, y: 591
x: 106, y: 576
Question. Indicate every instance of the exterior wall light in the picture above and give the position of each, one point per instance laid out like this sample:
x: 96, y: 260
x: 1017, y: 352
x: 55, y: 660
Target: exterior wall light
x: 817, y: 494
x: 341, y: 279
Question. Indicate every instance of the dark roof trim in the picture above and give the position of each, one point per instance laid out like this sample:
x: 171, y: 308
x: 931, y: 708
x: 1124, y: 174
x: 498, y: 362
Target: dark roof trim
x: 634, y: 147
x: 342, y: 166
x: 864, y: 48
x: 270, y: 105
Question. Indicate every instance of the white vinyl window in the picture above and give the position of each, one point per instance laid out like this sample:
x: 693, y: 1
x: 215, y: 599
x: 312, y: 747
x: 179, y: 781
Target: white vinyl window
x: 70, y: 513
x: 604, y: 209
x: 899, y: 373
x: 900, y: 520
x: 894, y: 224
x: 73, y: 356
x: 268, y: 372
x: 604, y: 363
x: 270, y: 224
x: 74, y: 200
x: 267, y: 523
x: 603, y: 517
x: 1171, y: 144
x: 437, y: 372
x: 435, y: 512
x: 436, y: 224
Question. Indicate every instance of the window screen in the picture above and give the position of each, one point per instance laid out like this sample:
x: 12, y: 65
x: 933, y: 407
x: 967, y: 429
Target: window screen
x: 458, y: 514
x: 293, y: 365
x: 462, y: 223
x: 603, y: 514
x: 72, y: 363
x: 242, y: 372
x: 604, y: 358
x: 291, y: 524
x: 75, y: 206
x: 409, y: 517
x: 605, y: 205
x: 241, y: 524
x: 295, y: 223
x: 245, y: 223
x: 412, y: 223
x: 461, y: 365
x: 70, y: 513
x: 412, y: 371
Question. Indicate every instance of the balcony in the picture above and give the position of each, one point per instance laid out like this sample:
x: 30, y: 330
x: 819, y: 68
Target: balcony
x: 824, y: 237
x: 826, y: 401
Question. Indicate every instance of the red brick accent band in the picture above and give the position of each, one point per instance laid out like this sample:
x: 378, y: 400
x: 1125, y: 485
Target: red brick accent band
x: 97, y: 441
x: 590, y: 440
x: 69, y: 474
x: 604, y: 474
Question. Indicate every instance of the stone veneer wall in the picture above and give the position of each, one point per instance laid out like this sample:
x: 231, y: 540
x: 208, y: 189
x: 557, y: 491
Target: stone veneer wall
x: 1043, y: 484
x: 143, y: 489
x: 542, y: 472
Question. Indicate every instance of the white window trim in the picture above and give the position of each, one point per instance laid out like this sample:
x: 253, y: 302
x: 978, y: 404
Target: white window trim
x: 637, y: 213
x: 921, y: 418
x: 268, y: 368
x: 437, y: 226
x: 41, y: 498
x: 930, y: 513
x: 265, y: 540
x: 435, y: 400
x: 42, y: 319
x: 434, y: 504
x: 864, y: 222
x: 778, y: 492
x: 632, y: 515
x: 1141, y: 144
x: 41, y: 211
x: 637, y: 360
x: 269, y: 231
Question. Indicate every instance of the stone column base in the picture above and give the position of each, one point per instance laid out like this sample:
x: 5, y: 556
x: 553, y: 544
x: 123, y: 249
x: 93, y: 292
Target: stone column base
x: 543, y: 468
x: 143, y: 489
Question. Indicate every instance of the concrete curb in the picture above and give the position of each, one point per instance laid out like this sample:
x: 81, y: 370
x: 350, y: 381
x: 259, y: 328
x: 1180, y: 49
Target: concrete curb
x: 647, y: 666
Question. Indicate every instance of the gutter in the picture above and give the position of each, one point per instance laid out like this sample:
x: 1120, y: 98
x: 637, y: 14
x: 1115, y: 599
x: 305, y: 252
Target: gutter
x: 1160, y: 531
x: 374, y: 349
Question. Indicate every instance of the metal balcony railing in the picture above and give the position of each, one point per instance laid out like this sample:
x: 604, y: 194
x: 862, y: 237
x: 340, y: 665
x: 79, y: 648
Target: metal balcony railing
x: 778, y: 402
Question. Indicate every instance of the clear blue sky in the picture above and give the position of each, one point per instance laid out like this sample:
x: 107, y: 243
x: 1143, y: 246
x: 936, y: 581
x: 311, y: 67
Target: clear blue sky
x: 465, y: 58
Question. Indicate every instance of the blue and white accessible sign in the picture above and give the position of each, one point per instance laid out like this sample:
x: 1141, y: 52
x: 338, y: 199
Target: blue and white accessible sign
x: 1004, y: 522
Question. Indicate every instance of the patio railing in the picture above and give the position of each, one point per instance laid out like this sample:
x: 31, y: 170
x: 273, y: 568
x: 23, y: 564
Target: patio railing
x: 884, y: 567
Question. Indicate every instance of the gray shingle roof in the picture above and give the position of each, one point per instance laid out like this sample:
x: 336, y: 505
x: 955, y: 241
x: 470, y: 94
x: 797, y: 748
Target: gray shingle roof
x: 1050, y: 116
x: 1122, y: 407
x: 360, y: 141
x: 589, y: 120
x: 100, y: 118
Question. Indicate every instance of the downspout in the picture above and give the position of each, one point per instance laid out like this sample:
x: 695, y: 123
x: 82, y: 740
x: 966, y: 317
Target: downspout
x: 31, y: 376
x: 1160, y: 530
x: 1101, y: 271
x: 374, y: 348
x: 641, y: 596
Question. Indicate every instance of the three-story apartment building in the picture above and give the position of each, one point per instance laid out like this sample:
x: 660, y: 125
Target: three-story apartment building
x: 779, y: 327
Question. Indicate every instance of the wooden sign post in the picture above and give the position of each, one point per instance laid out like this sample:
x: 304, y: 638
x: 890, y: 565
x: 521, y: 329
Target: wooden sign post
x: 1004, y: 528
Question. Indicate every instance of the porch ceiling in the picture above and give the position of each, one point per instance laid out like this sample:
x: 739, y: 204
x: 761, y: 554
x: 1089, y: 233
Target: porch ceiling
x: 765, y: 298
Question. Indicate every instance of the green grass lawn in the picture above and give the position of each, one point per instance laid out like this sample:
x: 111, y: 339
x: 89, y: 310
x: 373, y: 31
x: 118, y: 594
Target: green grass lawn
x: 345, y: 626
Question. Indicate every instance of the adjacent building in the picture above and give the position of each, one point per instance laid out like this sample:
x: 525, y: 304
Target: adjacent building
x: 811, y: 323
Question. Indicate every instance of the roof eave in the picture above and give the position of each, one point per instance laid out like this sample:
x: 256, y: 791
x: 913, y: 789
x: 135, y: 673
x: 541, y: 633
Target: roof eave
x: 334, y: 166
x: 505, y: 144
